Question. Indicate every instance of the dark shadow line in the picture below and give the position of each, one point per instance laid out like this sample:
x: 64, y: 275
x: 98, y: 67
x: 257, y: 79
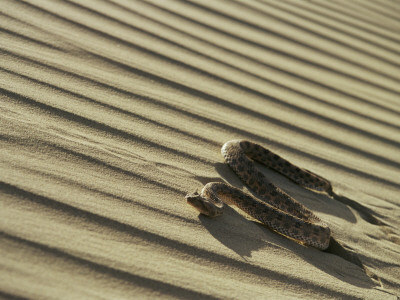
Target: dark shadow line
x: 366, y: 213
x: 258, y: 94
x: 249, y: 7
x: 233, y: 106
x: 328, y: 103
x: 345, y: 22
x: 131, y: 95
x: 255, y: 114
x: 319, y: 35
x: 97, y: 125
x: 152, y: 284
x: 211, y: 75
x: 250, y: 135
x: 194, y: 252
x: 39, y: 29
x: 249, y: 90
x: 228, y: 65
x: 331, y: 27
x: 295, y: 57
x: 2, y: 13
x: 387, y: 5
x: 46, y: 145
x: 337, y: 249
x: 376, y: 11
x: 113, y: 38
x: 244, y: 133
x: 343, y: 167
x: 94, y: 82
x: 379, y: 261
x: 110, y: 195
x: 111, y: 107
x: 354, y: 16
x: 30, y: 39
x: 8, y: 296
x: 261, y: 63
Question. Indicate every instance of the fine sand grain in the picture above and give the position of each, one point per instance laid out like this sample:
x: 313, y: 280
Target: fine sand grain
x: 112, y: 110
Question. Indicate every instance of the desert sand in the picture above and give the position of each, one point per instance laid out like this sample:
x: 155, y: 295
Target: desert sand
x: 112, y: 111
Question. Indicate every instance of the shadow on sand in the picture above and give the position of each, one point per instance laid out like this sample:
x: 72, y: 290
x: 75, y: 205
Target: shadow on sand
x: 243, y: 240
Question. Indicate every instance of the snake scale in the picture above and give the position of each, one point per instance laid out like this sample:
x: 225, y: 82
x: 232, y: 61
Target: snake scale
x: 274, y: 208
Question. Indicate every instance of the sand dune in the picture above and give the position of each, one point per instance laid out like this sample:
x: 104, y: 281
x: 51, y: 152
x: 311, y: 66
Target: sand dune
x: 111, y: 111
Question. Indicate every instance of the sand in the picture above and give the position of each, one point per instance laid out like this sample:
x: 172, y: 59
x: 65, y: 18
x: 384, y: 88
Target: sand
x: 111, y: 111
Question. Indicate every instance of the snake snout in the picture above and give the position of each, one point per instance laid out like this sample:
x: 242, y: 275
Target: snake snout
x: 196, y: 201
x: 202, y: 205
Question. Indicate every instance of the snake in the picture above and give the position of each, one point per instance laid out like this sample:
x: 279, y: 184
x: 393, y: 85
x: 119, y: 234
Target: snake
x: 272, y: 206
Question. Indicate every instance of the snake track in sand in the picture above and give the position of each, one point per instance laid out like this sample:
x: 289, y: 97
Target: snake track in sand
x: 275, y: 208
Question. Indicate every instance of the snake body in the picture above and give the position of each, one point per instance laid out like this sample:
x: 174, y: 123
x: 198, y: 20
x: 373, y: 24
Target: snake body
x: 274, y: 208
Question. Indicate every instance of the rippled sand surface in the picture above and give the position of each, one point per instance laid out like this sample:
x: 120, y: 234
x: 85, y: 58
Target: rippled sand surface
x: 111, y: 111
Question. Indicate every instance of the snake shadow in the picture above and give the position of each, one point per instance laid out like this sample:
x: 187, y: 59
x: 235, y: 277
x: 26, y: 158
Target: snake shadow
x: 243, y: 236
x: 237, y: 233
x: 232, y: 232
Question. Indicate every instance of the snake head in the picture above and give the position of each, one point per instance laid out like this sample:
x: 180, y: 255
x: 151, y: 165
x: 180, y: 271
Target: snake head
x: 204, y: 206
